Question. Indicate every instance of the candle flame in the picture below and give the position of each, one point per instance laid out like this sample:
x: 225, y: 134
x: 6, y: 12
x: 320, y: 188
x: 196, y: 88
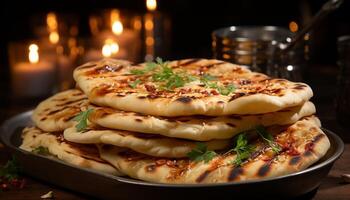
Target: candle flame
x: 33, y: 53
x: 116, y: 24
x: 117, y: 27
x: 151, y: 5
x: 293, y: 26
x: 51, y: 21
x: 110, y: 48
x: 137, y: 24
x: 54, y: 37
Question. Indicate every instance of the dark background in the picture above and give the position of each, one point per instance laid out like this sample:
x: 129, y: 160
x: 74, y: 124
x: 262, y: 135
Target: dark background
x: 192, y: 24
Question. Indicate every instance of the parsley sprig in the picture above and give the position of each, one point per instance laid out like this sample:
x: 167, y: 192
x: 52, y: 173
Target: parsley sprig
x: 10, y: 170
x: 168, y: 79
x: 201, y: 153
x: 41, y: 150
x: 82, y: 118
x: 242, y: 149
x: 268, y: 138
x: 208, y: 81
x: 150, y: 66
x: 134, y: 83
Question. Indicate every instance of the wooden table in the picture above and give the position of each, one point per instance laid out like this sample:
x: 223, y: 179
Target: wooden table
x: 332, y: 188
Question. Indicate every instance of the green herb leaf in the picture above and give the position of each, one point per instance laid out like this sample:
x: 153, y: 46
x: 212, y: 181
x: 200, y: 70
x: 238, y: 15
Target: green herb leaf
x: 242, y: 149
x: 137, y: 71
x: 82, y: 118
x: 150, y: 66
x: 207, y: 80
x: 267, y: 137
x: 226, y: 90
x: 41, y: 150
x: 165, y: 76
x: 201, y: 153
x: 134, y: 83
x: 10, y: 170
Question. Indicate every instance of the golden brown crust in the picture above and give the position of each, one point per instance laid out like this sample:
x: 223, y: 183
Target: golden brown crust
x: 56, y: 113
x: 254, y: 93
x: 85, y: 156
x: 303, y: 143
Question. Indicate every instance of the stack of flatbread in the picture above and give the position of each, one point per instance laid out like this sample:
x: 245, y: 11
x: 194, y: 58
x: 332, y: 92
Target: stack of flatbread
x: 184, y: 121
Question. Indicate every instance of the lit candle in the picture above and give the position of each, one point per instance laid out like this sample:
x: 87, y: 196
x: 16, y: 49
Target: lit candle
x: 110, y: 49
x: 151, y: 6
x: 52, y: 27
x: 34, y: 78
x: 157, y: 28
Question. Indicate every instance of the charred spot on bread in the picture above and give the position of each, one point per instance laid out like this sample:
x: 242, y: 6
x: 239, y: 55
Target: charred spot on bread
x: 184, y: 99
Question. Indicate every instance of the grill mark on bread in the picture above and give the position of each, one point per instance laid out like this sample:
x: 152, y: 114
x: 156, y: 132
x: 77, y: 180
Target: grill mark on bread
x: 213, y: 166
x: 236, y: 95
x: 264, y: 169
x: 299, y: 86
x: 295, y: 160
x: 212, y: 65
x: 71, y: 102
x: 235, y: 173
x: 309, y: 147
x: 187, y: 62
x: 56, y: 111
x: 203, y: 176
x: 184, y: 99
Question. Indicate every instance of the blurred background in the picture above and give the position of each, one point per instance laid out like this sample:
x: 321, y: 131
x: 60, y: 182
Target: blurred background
x: 42, y: 41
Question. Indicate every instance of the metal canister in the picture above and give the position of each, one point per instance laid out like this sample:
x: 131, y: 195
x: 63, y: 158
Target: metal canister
x: 258, y: 48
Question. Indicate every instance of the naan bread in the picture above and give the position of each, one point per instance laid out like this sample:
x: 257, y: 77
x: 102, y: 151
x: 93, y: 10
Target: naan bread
x: 303, y: 144
x: 56, y: 113
x: 154, y: 145
x: 107, y: 84
x: 200, y: 128
x: 85, y: 156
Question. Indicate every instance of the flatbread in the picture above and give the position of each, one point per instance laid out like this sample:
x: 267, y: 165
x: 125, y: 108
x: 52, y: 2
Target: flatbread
x: 199, y: 128
x: 153, y: 145
x: 86, y: 156
x: 303, y: 144
x: 107, y: 83
x: 56, y: 113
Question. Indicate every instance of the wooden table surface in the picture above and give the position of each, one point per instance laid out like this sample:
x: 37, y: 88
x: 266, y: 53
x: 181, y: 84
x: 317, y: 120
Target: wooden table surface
x: 332, y: 188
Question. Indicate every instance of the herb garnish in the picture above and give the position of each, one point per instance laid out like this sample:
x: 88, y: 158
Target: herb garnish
x: 150, y: 66
x: 201, y: 153
x: 168, y: 79
x: 41, y: 150
x: 10, y: 170
x: 134, y: 83
x: 82, y: 118
x: 207, y: 80
x: 261, y: 130
x: 242, y: 149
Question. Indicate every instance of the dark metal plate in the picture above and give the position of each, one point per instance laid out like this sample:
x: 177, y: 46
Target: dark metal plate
x: 106, y: 186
